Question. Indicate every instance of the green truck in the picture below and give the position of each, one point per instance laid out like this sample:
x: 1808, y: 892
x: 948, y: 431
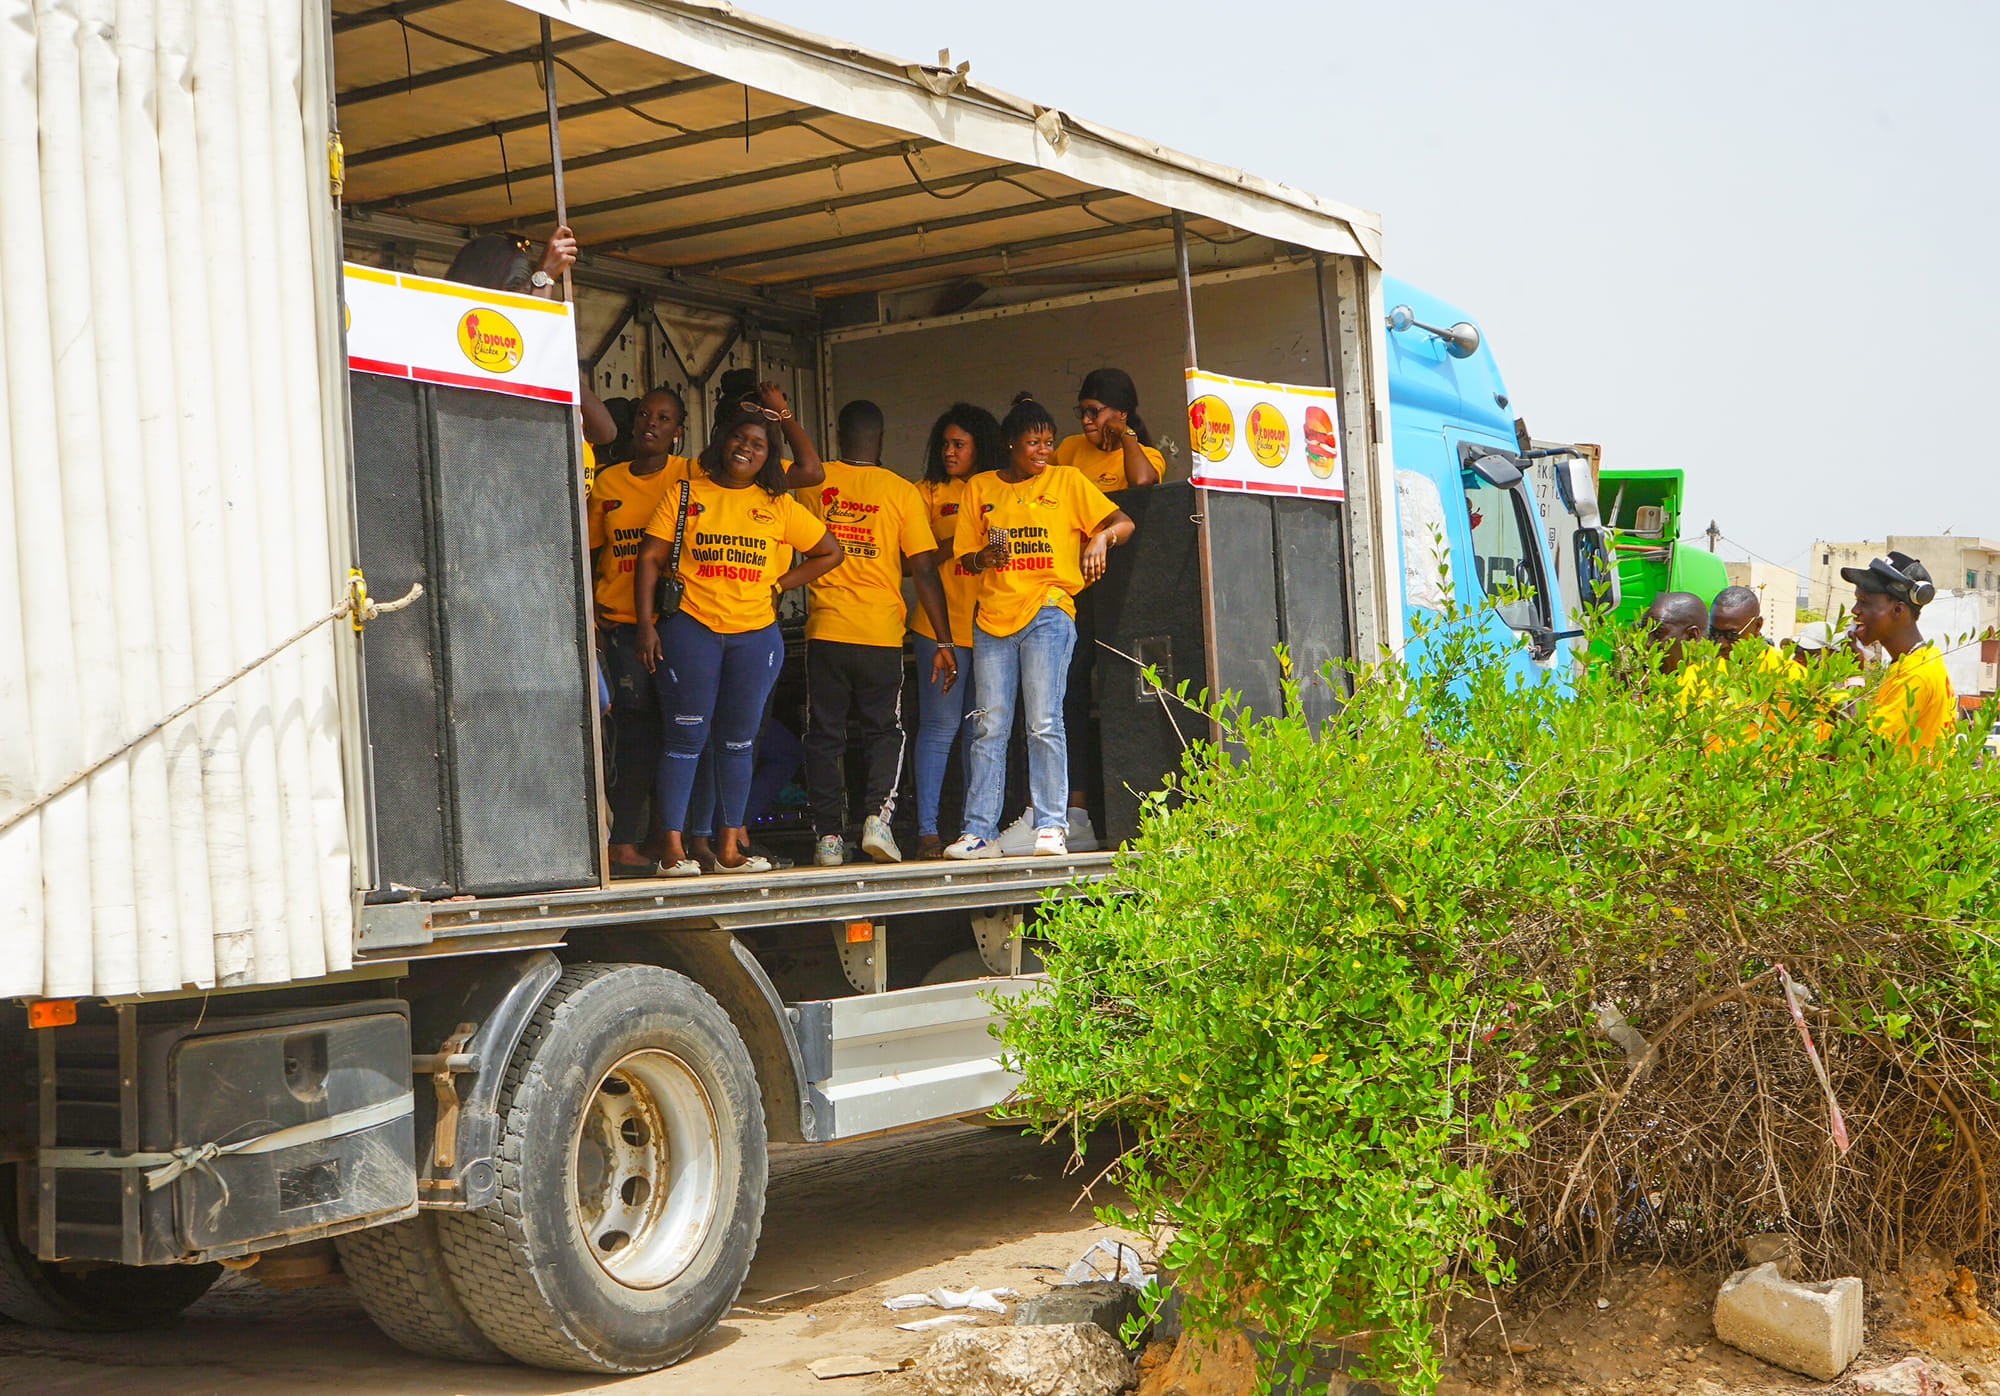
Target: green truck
x: 1642, y: 511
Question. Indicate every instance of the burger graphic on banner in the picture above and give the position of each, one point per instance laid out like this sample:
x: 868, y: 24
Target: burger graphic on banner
x: 1322, y: 449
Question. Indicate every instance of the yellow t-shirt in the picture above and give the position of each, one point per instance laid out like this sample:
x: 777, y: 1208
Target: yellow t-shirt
x: 1104, y: 469
x: 1047, y: 517
x: 879, y: 518
x: 586, y: 458
x: 1914, y: 706
x: 733, y: 550
x: 1697, y: 683
x: 961, y: 583
x: 621, y: 505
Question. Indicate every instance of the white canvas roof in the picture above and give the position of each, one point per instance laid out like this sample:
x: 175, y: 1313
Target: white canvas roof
x: 711, y: 143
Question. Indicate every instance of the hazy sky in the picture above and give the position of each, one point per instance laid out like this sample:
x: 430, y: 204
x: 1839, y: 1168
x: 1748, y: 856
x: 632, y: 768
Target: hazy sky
x: 1756, y: 241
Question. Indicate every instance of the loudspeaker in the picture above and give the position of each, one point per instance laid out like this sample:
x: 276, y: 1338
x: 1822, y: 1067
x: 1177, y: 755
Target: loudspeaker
x: 1147, y: 611
x: 1280, y: 578
x: 482, y: 695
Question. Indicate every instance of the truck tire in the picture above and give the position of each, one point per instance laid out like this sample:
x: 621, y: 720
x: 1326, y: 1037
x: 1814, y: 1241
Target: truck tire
x: 398, y: 1274
x: 100, y: 1299
x: 632, y: 1170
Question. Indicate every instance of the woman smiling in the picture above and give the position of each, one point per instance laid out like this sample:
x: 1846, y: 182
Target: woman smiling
x: 716, y: 657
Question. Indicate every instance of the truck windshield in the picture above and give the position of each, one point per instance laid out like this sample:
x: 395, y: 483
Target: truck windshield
x: 1503, y: 553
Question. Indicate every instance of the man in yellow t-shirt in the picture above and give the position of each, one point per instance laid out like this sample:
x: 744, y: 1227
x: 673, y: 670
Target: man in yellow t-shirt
x: 854, y: 634
x: 1913, y: 706
x: 623, y: 499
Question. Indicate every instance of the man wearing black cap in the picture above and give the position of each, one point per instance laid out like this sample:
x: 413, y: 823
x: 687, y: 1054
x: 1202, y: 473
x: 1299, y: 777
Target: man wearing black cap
x: 1913, y: 706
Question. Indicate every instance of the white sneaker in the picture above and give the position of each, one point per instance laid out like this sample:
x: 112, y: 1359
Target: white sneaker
x: 1050, y: 843
x: 969, y: 846
x: 1017, y: 840
x: 830, y: 851
x: 877, y: 842
x: 1082, y: 838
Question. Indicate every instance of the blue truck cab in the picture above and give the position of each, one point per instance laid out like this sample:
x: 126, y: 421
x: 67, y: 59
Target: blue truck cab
x: 1466, y: 514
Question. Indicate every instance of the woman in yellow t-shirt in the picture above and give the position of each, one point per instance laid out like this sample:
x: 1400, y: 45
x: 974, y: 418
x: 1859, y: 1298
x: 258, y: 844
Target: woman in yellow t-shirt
x: 1115, y: 450
x: 965, y: 441
x: 1037, y: 533
x: 715, y: 659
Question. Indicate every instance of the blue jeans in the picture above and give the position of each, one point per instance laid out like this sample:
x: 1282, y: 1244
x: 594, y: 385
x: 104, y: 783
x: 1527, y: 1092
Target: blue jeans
x: 1034, y: 660
x: 940, y: 718
x: 712, y: 682
x: 775, y: 761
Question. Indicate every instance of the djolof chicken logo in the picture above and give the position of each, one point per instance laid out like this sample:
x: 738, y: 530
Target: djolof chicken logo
x: 490, y: 340
x: 1269, y: 436
x: 1211, y: 427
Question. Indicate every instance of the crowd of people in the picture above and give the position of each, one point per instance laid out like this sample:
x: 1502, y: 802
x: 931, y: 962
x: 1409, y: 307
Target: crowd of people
x: 1008, y: 522
x: 1913, y: 706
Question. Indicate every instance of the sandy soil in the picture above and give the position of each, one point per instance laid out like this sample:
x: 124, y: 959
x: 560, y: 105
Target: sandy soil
x: 846, y: 1227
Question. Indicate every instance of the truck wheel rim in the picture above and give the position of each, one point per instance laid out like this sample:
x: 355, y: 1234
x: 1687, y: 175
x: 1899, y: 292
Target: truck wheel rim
x: 647, y: 1164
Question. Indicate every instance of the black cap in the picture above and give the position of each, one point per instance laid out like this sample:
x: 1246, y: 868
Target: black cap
x: 1898, y: 575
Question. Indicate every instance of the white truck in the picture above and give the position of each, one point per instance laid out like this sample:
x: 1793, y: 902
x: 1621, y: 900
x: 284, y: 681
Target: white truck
x: 306, y: 929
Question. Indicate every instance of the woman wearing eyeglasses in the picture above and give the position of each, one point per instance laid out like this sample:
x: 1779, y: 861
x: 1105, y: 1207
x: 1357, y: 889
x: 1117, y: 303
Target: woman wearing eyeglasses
x: 1114, y: 450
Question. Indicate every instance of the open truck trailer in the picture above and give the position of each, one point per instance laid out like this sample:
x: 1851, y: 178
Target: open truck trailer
x: 332, y: 952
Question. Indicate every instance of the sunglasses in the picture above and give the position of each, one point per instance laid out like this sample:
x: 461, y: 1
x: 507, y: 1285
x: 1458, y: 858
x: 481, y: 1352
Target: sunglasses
x: 1723, y: 632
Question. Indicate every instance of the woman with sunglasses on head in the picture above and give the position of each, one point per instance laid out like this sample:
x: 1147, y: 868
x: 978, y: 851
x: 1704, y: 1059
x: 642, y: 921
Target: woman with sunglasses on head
x: 715, y: 658
x: 1114, y: 450
x: 1036, y: 533
x: 964, y: 442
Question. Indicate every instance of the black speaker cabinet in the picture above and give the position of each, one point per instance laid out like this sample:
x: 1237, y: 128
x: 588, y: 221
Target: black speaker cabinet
x: 480, y: 696
x: 1279, y: 577
x: 1147, y: 610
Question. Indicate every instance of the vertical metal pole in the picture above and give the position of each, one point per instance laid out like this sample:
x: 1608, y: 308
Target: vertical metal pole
x: 1325, y: 320
x: 1187, y: 282
x: 586, y: 607
x: 555, y: 137
x: 1202, y: 503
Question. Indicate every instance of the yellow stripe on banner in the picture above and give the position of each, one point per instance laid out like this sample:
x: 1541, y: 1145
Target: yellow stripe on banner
x: 1193, y: 373
x: 481, y: 294
x: 361, y: 273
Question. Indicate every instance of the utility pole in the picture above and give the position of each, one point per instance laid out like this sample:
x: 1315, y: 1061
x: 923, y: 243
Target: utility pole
x: 1714, y: 534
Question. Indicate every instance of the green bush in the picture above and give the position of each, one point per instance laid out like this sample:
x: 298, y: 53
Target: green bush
x: 1361, y: 1001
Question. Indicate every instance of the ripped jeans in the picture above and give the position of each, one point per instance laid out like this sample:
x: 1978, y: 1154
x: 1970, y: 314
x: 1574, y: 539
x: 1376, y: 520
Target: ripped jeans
x: 705, y: 680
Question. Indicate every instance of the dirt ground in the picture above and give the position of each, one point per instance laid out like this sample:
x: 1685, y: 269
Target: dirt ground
x: 849, y: 1225
x: 846, y: 1226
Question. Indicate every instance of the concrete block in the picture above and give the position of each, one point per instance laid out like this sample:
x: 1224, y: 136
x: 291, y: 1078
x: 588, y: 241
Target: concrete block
x: 1809, y: 1328
x: 1106, y: 1303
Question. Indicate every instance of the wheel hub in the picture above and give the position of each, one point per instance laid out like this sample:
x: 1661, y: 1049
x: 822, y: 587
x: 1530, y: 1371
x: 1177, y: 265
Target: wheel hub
x: 646, y: 1169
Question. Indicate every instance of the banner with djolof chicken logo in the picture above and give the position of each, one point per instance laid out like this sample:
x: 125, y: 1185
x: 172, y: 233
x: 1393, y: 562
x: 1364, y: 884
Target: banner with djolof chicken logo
x: 464, y: 336
x: 1264, y: 438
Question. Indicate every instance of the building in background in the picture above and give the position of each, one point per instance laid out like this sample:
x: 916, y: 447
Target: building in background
x: 1966, y: 572
x: 1956, y: 564
x: 1778, y: 589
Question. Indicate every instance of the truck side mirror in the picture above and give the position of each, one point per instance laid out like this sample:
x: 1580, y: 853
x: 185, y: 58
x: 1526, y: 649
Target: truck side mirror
x: 1582, y: 491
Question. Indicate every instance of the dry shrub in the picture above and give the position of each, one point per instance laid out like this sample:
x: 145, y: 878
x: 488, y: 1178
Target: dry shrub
x: 1484, y: 984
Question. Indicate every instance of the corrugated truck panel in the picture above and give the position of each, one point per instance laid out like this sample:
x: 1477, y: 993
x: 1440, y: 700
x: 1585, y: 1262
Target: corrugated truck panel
x: 166, y: 516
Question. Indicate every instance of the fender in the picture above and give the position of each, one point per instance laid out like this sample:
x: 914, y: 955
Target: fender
x: 498, y: 996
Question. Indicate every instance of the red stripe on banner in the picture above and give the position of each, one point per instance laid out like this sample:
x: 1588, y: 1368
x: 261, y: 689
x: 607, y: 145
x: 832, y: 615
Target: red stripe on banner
x: 361, y: 365
x: 1211, y: 482
x: 493, y: 385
